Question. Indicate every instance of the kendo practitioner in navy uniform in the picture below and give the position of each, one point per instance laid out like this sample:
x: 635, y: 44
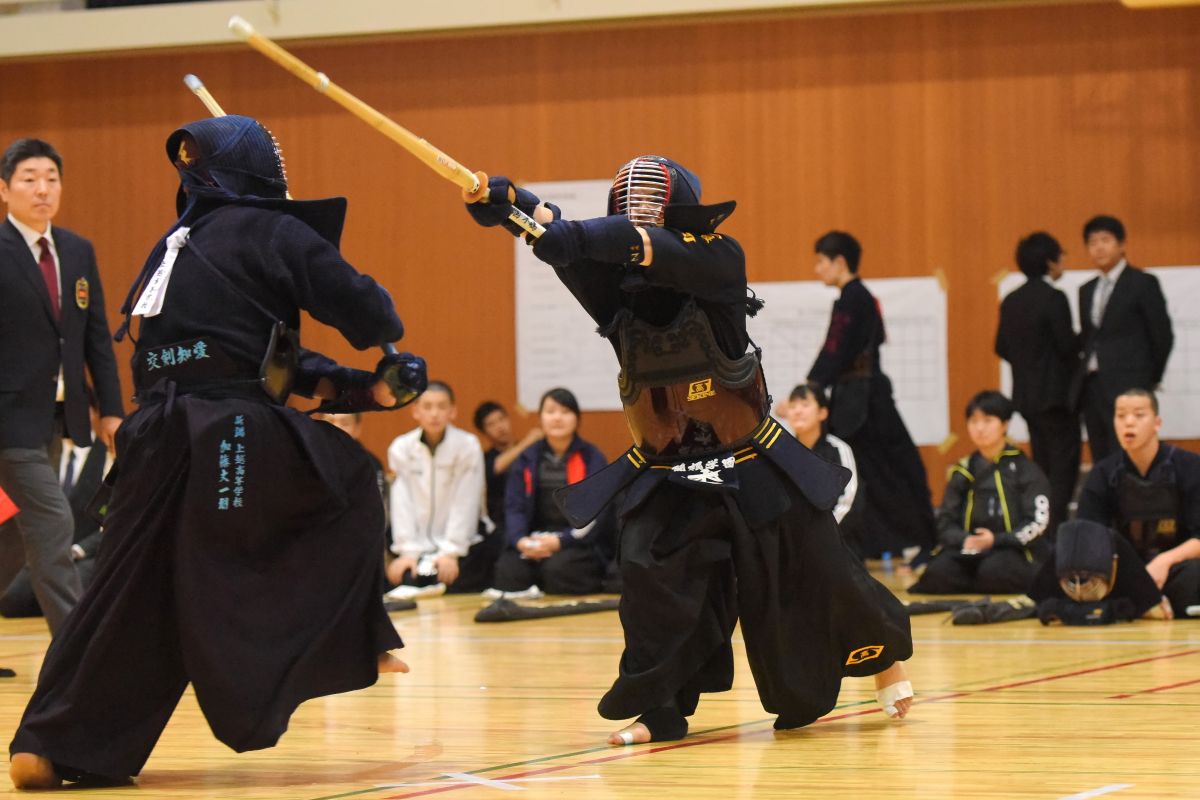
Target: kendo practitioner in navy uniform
x: 723, y: 513
x: 1149, y: 492
x: 227, y: 499
x: 862, y: 411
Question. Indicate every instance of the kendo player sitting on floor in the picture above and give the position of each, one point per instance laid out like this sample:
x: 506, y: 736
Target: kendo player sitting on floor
x: 724, y: 514
x: 1149, y: 492
x: 227, y: 500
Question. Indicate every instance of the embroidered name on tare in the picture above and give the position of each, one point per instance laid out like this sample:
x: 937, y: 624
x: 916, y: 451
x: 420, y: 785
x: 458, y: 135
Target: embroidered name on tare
x: 231, y: 458
x: 176, y: 355
x: 705, y: 471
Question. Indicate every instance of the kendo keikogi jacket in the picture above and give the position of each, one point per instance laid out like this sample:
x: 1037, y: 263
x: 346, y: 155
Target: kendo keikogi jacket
x: 694, y: 394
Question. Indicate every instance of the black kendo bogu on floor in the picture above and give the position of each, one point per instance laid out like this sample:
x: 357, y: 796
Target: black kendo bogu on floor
x: 241, y: 549
x: 723, y: 514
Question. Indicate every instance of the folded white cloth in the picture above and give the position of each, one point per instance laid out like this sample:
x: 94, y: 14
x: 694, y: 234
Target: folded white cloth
x: 403, y: 592
x: 532, y: 593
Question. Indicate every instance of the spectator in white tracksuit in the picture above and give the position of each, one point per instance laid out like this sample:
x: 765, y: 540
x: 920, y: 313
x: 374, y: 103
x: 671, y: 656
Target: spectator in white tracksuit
x: 435, y: 501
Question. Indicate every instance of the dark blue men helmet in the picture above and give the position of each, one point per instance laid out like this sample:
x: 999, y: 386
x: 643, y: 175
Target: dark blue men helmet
x: 229, y: 157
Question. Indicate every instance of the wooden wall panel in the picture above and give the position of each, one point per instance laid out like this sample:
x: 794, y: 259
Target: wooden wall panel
x: 939, y: 138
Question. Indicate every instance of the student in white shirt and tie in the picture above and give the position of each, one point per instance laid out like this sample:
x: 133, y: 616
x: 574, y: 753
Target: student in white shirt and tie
x: 1126, y: 332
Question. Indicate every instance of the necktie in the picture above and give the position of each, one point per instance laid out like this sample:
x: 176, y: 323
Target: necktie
x: 49, y: 274
x: 68, y: 482
x: 1102, y: 292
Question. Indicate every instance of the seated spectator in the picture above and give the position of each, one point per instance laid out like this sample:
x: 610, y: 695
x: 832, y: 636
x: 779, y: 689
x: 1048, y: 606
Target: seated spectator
x: 1149, y: 491
x: 435, y: 500
x: 807, y: 411
x: 543, y: 549
x: 495, y: 426
x: 81, y: 472
x: 993, y: 514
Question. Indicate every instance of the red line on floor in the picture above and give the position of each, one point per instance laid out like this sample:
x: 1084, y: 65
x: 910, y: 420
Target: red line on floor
x: 1155, y: 689
x: 727, y: 736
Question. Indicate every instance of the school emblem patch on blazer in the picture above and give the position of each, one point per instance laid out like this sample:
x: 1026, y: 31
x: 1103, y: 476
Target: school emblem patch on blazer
x: 82, y: 293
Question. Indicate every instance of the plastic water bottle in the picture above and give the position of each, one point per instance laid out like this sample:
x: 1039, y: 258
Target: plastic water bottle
x: 886, y: 561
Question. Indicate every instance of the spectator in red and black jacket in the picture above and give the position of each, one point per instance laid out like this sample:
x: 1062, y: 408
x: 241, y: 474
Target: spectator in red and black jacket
x: 542, y: 547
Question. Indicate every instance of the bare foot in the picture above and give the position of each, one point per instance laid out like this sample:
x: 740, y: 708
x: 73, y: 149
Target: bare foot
x: 887, y: 679
x: 31, y: 771
x: 637, y: 733
x: 389, y: 663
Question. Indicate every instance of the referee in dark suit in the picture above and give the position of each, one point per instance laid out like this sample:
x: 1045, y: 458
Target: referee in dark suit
x: 52, y: 325
x: 1126, y: 331
x: 1037, y: 339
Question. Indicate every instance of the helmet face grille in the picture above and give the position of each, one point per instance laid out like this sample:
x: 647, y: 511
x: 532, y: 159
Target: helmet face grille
x: 1085, y: 587
x: 280, y: 164
x: 641, y: 191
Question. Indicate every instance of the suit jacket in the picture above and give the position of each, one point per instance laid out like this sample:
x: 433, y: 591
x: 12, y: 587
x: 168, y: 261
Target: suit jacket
x: 1036, y: 338
x: 33, y: 345
x: 1134, y: 338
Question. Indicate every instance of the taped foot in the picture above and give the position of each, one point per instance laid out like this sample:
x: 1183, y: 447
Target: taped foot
x: 637, y: 733
x: 893, y: 691
x: 31, y: 771
x: 895, y: 699
x: 659, y: 725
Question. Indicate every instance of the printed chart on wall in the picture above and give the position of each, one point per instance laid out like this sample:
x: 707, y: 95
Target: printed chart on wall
x: 1179, y: 399
x: 557, y: 344
x: 791, y: 329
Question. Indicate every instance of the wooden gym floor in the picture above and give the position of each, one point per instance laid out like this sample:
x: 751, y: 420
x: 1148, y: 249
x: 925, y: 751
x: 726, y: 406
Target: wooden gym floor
x: 1013, y: 710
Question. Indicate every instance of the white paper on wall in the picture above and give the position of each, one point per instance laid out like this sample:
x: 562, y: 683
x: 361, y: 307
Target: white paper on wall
x: 791, y: 329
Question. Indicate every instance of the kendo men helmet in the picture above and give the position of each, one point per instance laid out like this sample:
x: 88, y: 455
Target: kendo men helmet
x: 1086, y: 560
x: 230, y: 156
x: 647, y: 185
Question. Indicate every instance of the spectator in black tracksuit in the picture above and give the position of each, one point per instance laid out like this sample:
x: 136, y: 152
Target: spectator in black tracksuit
x: 994, y: 512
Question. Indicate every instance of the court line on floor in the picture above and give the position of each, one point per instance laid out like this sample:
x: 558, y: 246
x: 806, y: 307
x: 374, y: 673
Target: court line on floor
x: 624, y: 754
x: 412, y: 638
x: 1153, y: 690
x: 1112, y: 787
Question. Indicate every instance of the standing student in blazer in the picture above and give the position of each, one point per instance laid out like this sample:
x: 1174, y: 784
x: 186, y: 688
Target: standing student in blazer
x: 1126, y: 331
x: 52, y: 326
x: 1037, y: 339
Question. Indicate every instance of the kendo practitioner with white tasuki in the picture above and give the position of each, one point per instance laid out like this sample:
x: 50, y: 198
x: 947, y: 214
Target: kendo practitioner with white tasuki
x: 723, y: 514
x: 227, y: 499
